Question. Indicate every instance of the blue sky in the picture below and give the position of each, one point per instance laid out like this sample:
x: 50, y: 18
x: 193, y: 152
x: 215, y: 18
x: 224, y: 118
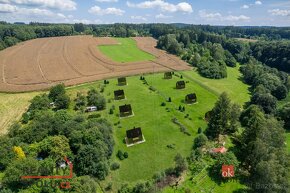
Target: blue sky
x: 214, y: 12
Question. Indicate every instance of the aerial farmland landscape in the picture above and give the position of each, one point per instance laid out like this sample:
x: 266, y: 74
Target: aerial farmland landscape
x: 157, y: 96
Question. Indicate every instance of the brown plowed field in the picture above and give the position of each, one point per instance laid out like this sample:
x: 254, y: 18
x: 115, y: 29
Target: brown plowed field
x: 39, y: 64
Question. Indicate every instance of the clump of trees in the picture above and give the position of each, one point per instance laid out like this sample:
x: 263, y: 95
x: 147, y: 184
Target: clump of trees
x: 49, y: 136
x: 262, y: 151
x: 268, y: 85
x: 224, y: 118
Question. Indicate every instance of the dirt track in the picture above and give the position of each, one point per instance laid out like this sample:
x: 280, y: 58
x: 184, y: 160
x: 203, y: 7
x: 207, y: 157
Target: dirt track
x: 39, y: 64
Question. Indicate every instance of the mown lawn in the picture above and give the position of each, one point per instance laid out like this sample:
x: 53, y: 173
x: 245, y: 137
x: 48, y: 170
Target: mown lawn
x: 159, y: 131
x: 11, y: 108
x: 232, y: 85
x: 126, y: 51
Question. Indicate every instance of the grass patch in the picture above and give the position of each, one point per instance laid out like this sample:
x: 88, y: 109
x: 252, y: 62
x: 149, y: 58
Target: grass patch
x: 12, y: 106
x: 127, y: 51
x: 238, y: 91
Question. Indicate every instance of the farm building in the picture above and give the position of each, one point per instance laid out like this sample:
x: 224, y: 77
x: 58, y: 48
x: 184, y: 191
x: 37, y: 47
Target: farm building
x: 119, y: 94
x: 167, y: 75
x: 122, y: 81
x: 125, y: 110
x: 180, y: 84
x: 218, y: 150
x: 191, y: 98
x: 91, y: 109
x: 134, y: 136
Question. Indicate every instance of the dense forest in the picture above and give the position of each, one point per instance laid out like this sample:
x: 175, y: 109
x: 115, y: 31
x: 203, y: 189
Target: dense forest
x: 181, y: 40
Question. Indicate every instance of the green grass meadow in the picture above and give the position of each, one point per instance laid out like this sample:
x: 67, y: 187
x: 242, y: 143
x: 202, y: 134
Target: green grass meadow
x: 233, y: 85
x: 156, y: 122
x: 126, y: 51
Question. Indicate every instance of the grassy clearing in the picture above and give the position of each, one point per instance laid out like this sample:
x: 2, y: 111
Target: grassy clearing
x: 238, y: 91
x: 158, y: 129
x: 127, y: 51
x: 12, y: 106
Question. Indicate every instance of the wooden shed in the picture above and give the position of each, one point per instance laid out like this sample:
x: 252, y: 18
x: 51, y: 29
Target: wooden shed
x: 122, y: 81
x: 191, y: 98
x: 134, y: 136
x: 125, y: 110
x: 119, y: 94
x: 168, y: 75
x: 180, y: 85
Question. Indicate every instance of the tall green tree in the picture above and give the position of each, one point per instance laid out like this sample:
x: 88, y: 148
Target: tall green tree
x: 223, y: 118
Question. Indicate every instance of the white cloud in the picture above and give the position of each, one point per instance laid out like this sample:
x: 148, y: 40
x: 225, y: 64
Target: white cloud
x: 108, y: 11
x: 6, y: 8
x: 258, y: 3
x: 161, y: 16
x: 245, y: 7
x: 279, y: 12
x: 139, y: 18
x: 54, y: 4
x: 107, y: 1
x: 163, y: 6
x: 219, y: 17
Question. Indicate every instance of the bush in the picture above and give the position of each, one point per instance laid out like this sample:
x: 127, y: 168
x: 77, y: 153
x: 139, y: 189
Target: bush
x: 25, y: 118
x: 200, y: 141
x: 170, y: 171
x: 62, y: 102
x: 163, y: 104
x: 152, y: 88
x: 120, y: 155
x: 56, y: 91
x: 111, y: 111
x: 115, y: 166
x: 169, y: 99
x: 126, y: 155
x: 94, y: 116
x: 199, y: 130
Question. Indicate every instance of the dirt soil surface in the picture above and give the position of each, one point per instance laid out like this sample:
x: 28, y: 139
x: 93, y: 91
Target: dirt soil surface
x: 41, y: 63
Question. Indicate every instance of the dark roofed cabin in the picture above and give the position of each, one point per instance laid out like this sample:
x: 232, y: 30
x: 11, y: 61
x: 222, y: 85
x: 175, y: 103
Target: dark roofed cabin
x: 167, y: 75
x: 119, y: 94
x: 125, y: 110
x: 180, y: 84
x: 191, y: 98
x: 134, y: 136
x: 122, y: 81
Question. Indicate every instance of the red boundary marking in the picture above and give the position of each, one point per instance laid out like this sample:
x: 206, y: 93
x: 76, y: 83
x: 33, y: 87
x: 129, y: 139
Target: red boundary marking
x: 53, y: 177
